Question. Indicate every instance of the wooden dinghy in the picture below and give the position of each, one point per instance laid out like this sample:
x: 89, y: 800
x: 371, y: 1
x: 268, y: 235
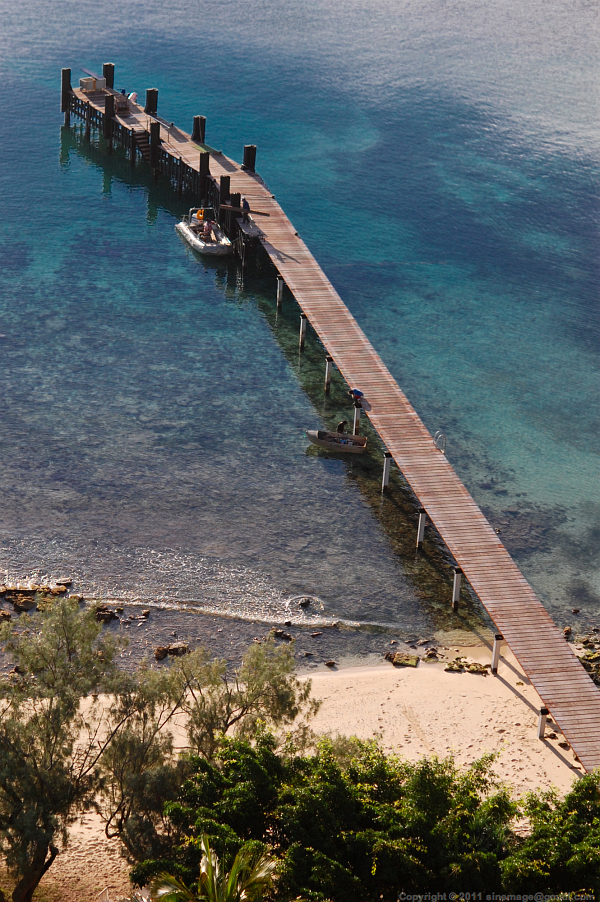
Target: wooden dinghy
x: 337, y: 441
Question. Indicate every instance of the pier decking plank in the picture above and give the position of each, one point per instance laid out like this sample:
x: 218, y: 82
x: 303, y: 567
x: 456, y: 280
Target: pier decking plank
x: 540, y: 648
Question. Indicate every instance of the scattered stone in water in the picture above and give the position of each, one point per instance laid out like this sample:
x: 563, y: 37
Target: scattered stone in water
x: 58, y: 590
x: 314, y: 635
x: 2, y: 590
x: 304, y: 602
x: 24, y: 604
x: 567, y: 631
x: 146, y: 612
x: 308, y: 654
x: 281, y: 634
x: 576, y: 610
x: 287, y: 622
x: 394, y: 642
x: 5, y: 615
x: 79, y: 599
x: 104, y: 614
x: 402, y: 659
x: 64, y: 581
x: 176, y: 650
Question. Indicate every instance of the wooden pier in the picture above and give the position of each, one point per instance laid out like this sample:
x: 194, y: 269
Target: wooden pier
x: 547, y: 659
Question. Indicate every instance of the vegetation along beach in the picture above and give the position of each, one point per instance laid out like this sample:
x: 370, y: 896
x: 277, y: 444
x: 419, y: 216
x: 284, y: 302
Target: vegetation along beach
x: 299, y: 581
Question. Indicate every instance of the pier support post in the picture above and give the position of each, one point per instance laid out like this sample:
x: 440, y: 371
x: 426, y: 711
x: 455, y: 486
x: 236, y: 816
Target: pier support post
x: 498, y: 639
x: 328, y: 369
x: 456, y: 588
x: 109, y: 112
x: 132, y: 147
x: 421, y: 526
x: 204, y: 172
x: 199, y: 129
x: 65, y: 95
x: 88, y: 120
x: 224, y: 188
x: 542, y: 722
x: 387, y: 463
x: 303, y: 322
x: 280, y: 284
x: 357, y: 412
x: 108, y: 72
x: 249, y: 157
x: 151, y: 107
x: 154, y: 142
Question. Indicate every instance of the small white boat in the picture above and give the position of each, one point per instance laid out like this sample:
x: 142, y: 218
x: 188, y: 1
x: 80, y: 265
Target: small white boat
x: 337, y: 441
x: 204, y: 234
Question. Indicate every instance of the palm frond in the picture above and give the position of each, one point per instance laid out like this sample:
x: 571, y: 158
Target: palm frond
x: 166, y: 888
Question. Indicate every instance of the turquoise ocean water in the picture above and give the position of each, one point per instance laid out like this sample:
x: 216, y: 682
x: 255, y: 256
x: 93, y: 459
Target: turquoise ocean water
x: 440, y: 159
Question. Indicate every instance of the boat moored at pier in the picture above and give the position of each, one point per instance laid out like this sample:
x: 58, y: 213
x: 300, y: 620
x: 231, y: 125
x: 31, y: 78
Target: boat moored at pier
x: 337, y: 441
x: 201, y: 231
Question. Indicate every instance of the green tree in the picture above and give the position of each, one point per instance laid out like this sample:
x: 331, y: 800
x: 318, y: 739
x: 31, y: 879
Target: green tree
x: 50, y: 743
x: 562, y: 851
x: 250, y: 877
x: 264, y: 689
x: 141, y: 772
x: 364, y: 829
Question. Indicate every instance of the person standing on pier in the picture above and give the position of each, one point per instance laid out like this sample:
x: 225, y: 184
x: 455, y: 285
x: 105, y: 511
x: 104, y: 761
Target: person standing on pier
x: 245, y: 210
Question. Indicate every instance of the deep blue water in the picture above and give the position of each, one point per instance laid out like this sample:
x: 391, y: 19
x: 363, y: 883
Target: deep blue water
x: 152, y: 430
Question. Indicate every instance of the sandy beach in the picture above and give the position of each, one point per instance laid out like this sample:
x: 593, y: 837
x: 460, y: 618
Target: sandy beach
x: 412, y: 712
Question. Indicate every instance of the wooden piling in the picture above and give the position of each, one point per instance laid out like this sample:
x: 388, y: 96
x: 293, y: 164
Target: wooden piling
x: 224, y: 188
x: 303, y: 322
x: 249, y: 157
x: 108, y: 72
x: 328, y: 369
x: 456, y: 588
x: 151, y: 107
x: 154, y: 142
x: 421, y: 526
x: 109, y: 112
x: 498, y: 639
x: 357, y: 413
x: 387, y: 463
x: 65, y: 95
x: 204, y: 172
x: 544, y: 712
x: 199, y: 129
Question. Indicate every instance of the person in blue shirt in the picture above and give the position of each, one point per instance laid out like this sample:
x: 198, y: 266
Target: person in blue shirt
x: 245, y: 209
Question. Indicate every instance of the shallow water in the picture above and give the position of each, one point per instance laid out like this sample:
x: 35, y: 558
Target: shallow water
x: 153, y: 413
